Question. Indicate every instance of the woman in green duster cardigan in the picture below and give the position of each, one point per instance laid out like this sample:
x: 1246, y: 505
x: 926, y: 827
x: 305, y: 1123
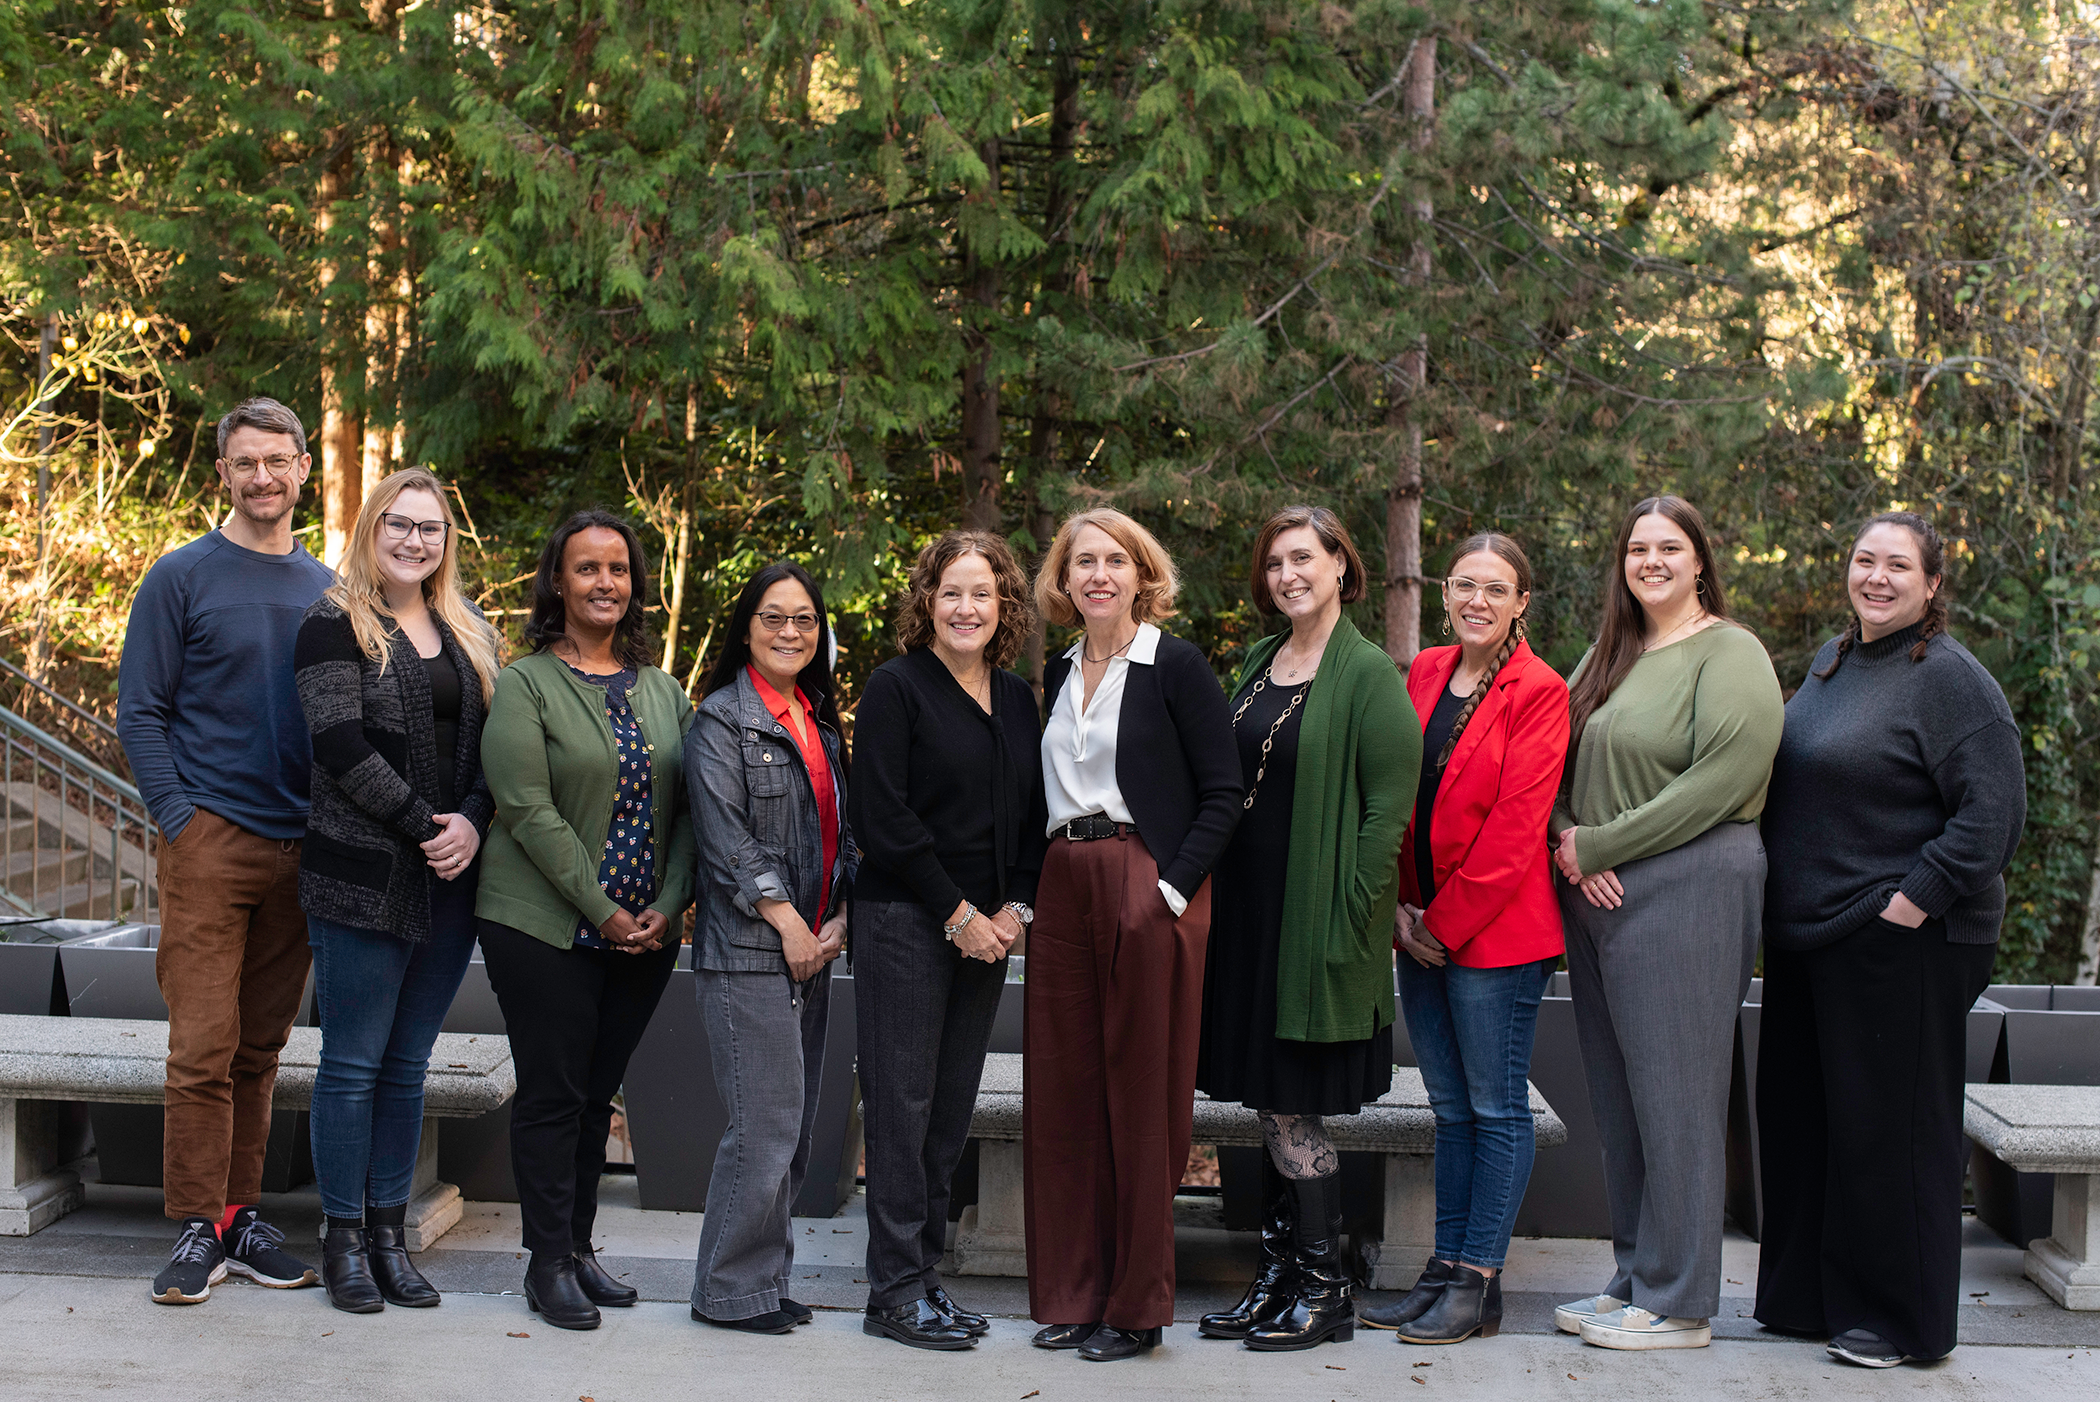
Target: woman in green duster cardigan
x: 1298, y: 991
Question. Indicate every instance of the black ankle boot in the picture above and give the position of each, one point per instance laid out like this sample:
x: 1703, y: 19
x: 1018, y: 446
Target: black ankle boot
x: 398, y: 1279
x: 346, y: 1272
x: 1321, y: 1307
x: 602, y: 1289
x: 1415, y: 1303
x: 1471, y: 1304
x: 552, y: 1292
x: 1272, y: 1279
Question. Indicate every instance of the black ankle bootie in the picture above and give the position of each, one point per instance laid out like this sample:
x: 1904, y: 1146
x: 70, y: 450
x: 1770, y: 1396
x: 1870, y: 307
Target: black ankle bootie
x: 1471, y: 1304
x: 398, y: 1279
x: 1272, y: 1279
x: 601, y: 1289
x: 1321, y: 1306
x: 346, y: 1272
x: 1415, y: 1303
x: 552, y: 1292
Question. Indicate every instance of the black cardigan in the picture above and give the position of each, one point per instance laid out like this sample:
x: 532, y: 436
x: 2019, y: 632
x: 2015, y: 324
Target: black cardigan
x: 1176, y: 761
x: 946, y: 802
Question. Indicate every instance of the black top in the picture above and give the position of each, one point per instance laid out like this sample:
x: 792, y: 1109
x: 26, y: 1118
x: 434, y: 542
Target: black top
x: 947, y: 802
x: 1893, y: 775
x: 1175, y: 759
x: 1435, y: 735
x: 627, y: 868
x: 444, y: 714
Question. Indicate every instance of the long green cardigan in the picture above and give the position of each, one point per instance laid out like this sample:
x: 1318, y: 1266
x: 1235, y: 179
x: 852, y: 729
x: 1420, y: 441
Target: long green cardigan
x: 1359, y: 755
x: 547, y: 748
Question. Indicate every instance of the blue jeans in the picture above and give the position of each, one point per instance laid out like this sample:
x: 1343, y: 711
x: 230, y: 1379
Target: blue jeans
x: 1472, y: 1031
x: 382, y: 1001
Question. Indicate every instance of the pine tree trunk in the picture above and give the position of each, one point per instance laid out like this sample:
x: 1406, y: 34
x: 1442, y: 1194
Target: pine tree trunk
x: 342, y: 479
x: 2089, y: 940
x: 1046, y: 432
x: 681, y: 553
x: 980, y: 387
x: 1403, y: 503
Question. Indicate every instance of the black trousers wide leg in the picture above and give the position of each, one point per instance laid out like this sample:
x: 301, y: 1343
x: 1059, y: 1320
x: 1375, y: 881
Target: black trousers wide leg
x: 1859, y: 1105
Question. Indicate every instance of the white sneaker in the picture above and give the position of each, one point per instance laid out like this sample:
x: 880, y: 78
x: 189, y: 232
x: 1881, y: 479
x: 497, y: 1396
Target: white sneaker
x: 1634, y: 1327
x: 1570, y: 1318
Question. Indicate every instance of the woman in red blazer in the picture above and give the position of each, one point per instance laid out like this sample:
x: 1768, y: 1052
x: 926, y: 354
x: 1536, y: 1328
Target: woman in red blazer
x: 1480, y: 924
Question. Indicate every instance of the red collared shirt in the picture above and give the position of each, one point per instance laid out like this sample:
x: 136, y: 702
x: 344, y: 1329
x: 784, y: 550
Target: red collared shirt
x: 811, y: 745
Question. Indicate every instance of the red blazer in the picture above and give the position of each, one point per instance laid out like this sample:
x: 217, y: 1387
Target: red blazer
x: 1495, y: 904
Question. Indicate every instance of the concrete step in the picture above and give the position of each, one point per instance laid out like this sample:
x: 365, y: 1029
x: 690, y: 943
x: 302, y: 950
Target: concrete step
x: 91, y: 900
x: 43, y: 870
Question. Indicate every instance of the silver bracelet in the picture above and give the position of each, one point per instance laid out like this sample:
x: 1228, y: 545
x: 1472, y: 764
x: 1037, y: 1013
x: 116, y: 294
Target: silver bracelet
x: 969, y: 914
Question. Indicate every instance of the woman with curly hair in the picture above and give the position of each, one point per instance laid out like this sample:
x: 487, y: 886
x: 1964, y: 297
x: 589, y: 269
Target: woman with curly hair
x: 947, y: 806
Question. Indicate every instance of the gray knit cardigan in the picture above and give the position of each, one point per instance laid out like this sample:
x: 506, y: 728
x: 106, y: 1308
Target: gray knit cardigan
x: 375, y: 780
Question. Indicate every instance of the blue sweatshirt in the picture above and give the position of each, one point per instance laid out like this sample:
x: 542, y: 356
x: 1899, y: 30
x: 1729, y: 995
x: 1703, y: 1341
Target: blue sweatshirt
x: 207, y: 704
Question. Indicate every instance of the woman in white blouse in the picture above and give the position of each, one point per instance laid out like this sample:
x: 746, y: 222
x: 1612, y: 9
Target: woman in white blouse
x: 1143, y: 787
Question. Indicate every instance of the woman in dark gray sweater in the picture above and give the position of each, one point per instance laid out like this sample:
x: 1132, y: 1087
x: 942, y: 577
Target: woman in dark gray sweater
x: 1897, y: 800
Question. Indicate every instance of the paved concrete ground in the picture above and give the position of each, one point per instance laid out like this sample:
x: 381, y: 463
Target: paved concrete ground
x: 76, y: 1322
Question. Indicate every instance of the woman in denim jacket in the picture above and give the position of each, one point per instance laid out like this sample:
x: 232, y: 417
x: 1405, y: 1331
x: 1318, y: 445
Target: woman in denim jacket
x: 766, y: 775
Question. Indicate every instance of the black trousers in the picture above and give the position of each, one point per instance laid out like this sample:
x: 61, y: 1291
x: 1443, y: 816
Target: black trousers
x: 924, y: 1015
x: 575, y: 1017
x: 1859, y: 1107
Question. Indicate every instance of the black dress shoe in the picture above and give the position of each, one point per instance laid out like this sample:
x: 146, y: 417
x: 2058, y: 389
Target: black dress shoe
x: 346, y: 1272
x: 1415, y: 1303
x: 800, y: 1313
x: 601, y: 1288
x: 398, y: 1279
x: 1110, y: 1343
x: 941, y: 1300
x: 918, y: 1323
x: 1471, y: 1304
x: 771, y: 1322
x: 553, y: 1293
x: 1270, y: 1290
x: 1063, y: 1335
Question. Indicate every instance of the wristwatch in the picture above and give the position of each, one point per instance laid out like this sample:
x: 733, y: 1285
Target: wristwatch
x: 1024, y: 914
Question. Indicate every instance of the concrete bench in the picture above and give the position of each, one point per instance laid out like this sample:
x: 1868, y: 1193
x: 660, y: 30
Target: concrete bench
x: 121, y: 1061
x: 2050, y: 1129
x: 991, y: 1238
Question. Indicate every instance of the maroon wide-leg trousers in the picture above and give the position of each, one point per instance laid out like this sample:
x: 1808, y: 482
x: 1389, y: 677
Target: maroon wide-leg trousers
x: 1114, y: 1003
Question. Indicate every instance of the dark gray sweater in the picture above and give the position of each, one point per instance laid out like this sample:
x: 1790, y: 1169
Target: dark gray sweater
x: 1893, y: 775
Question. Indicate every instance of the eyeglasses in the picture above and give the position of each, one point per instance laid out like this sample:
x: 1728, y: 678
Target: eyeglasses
x: 398, y: 528
x: 774, y: 622
x: 1461, y: 590
x: 278, y: 465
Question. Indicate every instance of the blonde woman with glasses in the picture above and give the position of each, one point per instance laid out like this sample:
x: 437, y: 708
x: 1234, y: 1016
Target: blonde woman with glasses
x: 395, y: 671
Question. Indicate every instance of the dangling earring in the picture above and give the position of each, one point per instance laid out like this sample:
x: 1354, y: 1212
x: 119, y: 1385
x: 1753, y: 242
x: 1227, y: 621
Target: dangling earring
x: 1521, y: 631
x: 1447, y: 625
x: 1698, y: 584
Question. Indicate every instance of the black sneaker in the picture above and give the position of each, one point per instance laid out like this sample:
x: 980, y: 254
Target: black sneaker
x: 197, y: 1264
x: 253, y: 1250
x: 1866, y: 1349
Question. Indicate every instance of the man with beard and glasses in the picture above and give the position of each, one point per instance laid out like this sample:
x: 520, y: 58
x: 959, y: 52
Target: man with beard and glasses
x: 210, y: 717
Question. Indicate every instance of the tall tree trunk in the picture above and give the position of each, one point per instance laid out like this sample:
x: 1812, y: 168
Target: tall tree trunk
x: 681, y: 551
x: 381, y: 407
x: 2089, y: 941
x: 980, y: 387
x: 1046, y: 429
x: 40, y: 640
x: 342, y: 477
x: 1403, y: 502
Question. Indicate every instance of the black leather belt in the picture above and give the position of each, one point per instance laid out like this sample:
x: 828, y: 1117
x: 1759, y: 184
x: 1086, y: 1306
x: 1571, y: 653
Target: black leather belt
x: 1095, y: 826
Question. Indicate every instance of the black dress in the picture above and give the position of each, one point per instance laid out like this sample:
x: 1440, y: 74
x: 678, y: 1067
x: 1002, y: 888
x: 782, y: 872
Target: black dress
x: 1240, y: 1057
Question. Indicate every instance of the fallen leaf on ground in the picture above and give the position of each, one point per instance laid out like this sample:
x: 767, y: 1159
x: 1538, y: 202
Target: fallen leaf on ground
x: 1026, y: 1395
x: 1336, y: 1368
x: 1423, y: 1381
x: 1573, y: 1379
x: 329, y: 1335
x: 517, y: 1334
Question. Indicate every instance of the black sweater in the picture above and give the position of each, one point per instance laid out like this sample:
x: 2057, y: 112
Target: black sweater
x: 1893, y: 775
x: 947, y: 802
x: 1176, y: 761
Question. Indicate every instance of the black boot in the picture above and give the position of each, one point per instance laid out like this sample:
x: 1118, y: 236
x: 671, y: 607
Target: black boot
x: 1272, y: 1279
x: 1415, y: 1303
x: 551, y: 1291
x: 601, y: 1288
x: 1471, y: 1304
x: 1321, y: 1307
x: 346, y: 1272
x: 398, y: 1279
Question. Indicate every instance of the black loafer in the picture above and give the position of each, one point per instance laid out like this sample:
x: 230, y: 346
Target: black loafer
x: 1110, y: 1343
x: 1063, y: 1335
x: 917, y: 1323
x: 602, y: 1289
x: 771, y: 1322
x: 800, y: 1313
x: 941, y: 1300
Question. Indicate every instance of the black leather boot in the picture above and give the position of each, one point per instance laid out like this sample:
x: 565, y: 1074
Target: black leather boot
x: 552, y: 1291
x: 1109, y: 1344
x: 346, y: 1272
x: 396, y: 1275
x: 1415, y: 1303
x: 1471, y: 1304
x: 1321, y: 1306
x: 601, y: 1288
x: 1272, y: 1279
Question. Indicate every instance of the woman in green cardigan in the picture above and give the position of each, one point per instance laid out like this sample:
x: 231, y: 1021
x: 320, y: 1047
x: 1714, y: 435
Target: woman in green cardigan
x: 587, y: 868
x: 1298, y: 992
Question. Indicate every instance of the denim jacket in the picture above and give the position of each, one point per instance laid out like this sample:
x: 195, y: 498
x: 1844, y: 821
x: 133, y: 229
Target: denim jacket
x: 755, y: 815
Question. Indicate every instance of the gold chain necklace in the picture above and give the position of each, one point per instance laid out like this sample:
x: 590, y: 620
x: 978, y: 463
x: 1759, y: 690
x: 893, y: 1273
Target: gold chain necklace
x: 1261, y: 770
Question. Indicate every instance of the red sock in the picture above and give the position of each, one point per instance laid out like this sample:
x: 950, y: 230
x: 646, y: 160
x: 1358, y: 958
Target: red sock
x: 226, y: 1222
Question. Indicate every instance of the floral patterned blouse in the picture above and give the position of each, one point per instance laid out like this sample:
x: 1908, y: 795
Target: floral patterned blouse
x: 628, y: 871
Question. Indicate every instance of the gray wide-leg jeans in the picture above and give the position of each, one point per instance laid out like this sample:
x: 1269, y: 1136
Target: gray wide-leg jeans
x: 1656, y: 985
x: 769, y: 1060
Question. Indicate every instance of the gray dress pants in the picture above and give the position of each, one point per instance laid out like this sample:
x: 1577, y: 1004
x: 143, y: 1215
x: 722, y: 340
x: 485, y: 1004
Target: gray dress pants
x: 769, y: 1060
x: 1656, y: 985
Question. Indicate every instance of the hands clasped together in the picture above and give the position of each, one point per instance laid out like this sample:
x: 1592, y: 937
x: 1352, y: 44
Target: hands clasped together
x: 1600, y: 889
x: 987, y: 937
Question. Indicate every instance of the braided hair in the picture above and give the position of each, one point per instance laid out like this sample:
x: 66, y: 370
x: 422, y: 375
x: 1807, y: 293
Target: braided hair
x: 1510, y: 553
x: 1932, y: 559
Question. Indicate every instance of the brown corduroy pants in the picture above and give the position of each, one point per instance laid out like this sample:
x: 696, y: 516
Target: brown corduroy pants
x: 1114, y: 1004
x: 232, y: 968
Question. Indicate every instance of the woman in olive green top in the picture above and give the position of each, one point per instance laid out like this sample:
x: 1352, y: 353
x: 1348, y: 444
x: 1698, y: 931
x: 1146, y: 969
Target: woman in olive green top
x: 588, y: 866
x: 1676, y: 714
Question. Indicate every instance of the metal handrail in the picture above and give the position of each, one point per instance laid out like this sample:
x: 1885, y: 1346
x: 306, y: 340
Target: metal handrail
x: 109, y: 731
x: 76, y: 809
